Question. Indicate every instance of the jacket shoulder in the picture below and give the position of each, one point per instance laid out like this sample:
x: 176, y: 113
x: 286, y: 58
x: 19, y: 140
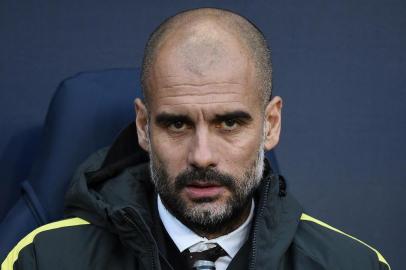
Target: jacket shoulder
x: 333, y: 248
x: 25, y: 245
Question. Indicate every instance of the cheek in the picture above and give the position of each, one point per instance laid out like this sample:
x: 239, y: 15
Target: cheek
x: 170, y: 153
x: 239, y: 153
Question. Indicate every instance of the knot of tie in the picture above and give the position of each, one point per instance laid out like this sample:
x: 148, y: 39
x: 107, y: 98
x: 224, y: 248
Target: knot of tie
x: 204, y: 259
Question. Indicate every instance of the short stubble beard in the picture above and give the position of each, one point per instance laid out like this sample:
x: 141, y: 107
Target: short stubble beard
x: 208, y: 216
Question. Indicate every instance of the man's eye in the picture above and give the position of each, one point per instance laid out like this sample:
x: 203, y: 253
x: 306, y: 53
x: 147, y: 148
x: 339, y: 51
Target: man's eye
x: 228, y: 125
x: 177, y: 126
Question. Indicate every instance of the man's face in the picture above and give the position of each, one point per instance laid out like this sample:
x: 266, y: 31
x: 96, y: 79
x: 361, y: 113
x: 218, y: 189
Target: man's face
x: 206, y: 131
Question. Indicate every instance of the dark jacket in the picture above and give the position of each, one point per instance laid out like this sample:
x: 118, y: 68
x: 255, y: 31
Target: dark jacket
x: 112, y: 223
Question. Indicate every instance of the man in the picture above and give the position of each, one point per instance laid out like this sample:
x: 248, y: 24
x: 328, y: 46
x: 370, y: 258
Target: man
x: 207, y: 199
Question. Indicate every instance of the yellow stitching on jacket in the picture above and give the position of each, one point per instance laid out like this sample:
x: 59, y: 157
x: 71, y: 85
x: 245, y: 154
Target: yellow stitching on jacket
x: 321, y: 223
x: 29, y: 238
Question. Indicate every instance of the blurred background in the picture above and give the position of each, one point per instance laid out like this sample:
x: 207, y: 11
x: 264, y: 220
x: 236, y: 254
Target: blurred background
x: 340, y: 67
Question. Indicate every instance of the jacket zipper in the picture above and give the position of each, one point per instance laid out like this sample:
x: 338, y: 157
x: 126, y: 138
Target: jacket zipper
x: 254, y: 235
x: 130, y: 215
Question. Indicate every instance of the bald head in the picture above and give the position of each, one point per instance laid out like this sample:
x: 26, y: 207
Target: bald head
x: 205, y: 40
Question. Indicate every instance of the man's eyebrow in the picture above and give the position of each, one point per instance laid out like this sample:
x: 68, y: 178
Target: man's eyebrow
x: 166, y: 118
x: 233, y: 115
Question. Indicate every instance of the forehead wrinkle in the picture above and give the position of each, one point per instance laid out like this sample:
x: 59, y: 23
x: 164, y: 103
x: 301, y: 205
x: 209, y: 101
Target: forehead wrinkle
x: 200, y: 98
x: 200, y: 103
x: 204, y: 113
x: 181, y: 85
x: 194, y: 94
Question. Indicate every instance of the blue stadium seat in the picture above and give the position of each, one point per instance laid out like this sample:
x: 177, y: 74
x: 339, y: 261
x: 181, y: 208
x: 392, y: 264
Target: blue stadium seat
x: 86, y: 113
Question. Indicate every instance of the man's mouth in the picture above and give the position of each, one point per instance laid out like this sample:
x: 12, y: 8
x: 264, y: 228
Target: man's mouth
x: 203, y: 189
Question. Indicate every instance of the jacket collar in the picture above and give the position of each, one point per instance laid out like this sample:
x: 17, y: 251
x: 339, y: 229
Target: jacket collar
x: 275, y: 224
x: 114, y: 191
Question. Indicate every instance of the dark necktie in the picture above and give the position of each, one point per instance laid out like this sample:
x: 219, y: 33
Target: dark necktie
x: 204, y: 259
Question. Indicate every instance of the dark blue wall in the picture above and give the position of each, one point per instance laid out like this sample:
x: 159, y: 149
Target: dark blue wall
x: 339, y: 65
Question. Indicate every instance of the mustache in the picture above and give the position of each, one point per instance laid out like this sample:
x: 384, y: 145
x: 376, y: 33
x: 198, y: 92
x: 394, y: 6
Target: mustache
x: 204, y: 176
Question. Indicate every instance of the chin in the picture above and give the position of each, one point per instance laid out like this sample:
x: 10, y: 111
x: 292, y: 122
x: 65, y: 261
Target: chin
x: 209, y: 208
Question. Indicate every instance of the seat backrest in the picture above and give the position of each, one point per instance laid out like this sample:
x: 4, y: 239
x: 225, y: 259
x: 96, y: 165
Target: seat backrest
x: 86, y: 113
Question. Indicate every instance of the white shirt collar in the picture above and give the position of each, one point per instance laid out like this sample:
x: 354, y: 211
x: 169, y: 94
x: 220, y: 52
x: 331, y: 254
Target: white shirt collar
x: 184, y: 238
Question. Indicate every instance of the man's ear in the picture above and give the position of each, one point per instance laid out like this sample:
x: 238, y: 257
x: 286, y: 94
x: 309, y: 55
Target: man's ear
x: 141, y: 121
x: 272, y: 123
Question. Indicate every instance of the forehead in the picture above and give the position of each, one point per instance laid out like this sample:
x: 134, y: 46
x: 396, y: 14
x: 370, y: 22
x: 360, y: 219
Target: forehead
x: 192, y: 70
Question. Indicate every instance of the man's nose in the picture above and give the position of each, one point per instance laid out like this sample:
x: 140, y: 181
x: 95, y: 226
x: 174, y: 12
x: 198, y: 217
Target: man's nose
x: 201, y: 154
